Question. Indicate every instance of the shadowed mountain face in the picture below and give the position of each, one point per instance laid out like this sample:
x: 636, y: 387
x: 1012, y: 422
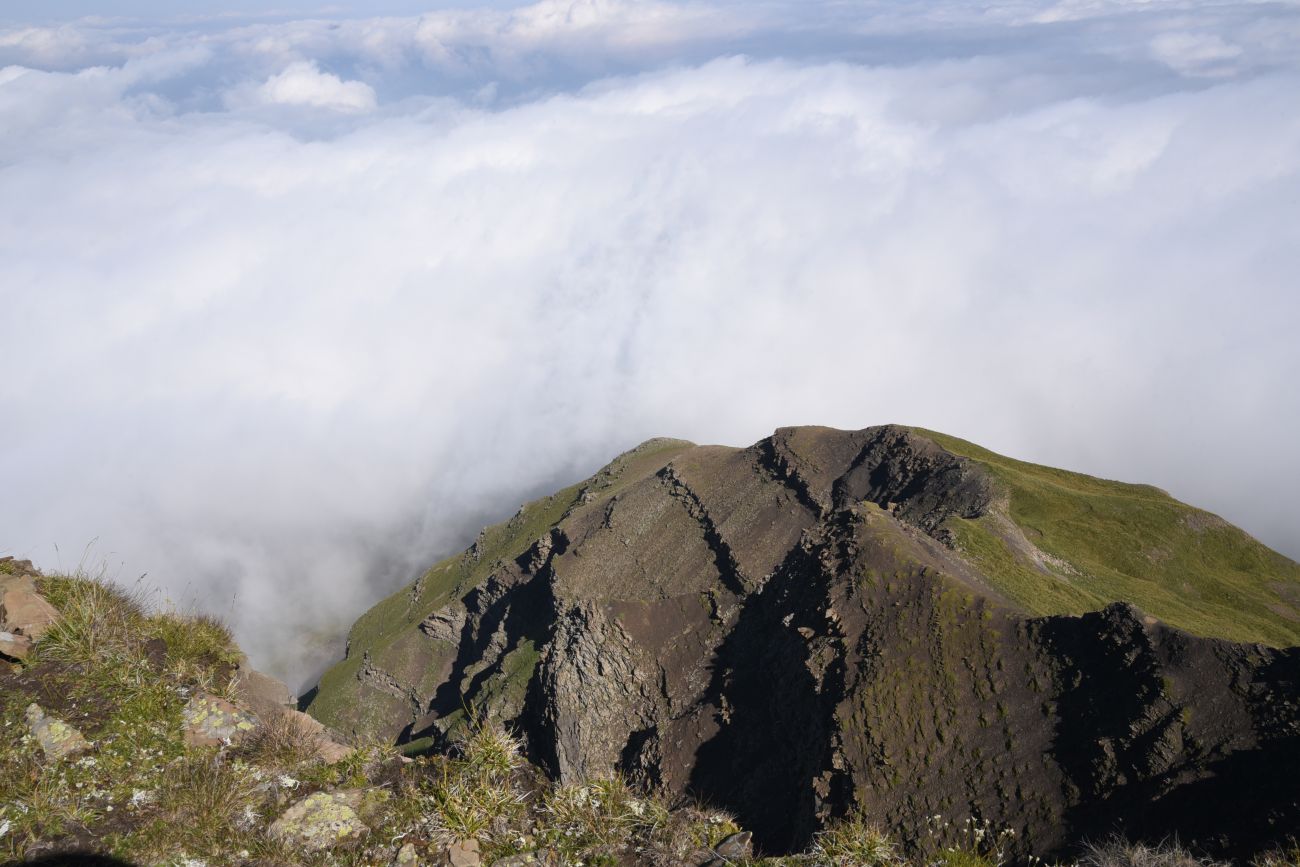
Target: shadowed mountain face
x: 884, y: 620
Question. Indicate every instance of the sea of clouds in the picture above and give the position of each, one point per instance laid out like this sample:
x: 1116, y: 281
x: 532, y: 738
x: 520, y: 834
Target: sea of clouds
x: 292, y: 303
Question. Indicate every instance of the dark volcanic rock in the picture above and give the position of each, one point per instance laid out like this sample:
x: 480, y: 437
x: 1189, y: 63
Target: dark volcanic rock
x: 788, y: 631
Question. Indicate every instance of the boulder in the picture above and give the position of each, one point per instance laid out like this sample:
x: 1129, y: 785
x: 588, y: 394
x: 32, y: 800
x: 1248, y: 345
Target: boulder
x: 327, y: 749
x: 25, y: 612
x: 261, y: 693
x: 321, y: 820
x: 210, y: 721
x: 737, y: 847
x: 16, y: 582
x: 331, y: 751
x: 14, y: 646
x: 58, y: 740
x: 9, y: 567
x: 463, y: 853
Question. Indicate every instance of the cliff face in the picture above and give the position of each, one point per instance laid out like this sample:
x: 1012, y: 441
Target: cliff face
x: 833, y: 621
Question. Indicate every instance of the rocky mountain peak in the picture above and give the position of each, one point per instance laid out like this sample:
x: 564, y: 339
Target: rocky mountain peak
x: 883, y: 620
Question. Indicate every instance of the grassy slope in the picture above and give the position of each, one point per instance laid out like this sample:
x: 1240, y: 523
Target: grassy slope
x: 1117, y: 541
x: 387, y: 629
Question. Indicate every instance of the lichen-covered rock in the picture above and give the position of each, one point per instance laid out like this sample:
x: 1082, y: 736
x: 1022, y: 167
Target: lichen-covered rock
x: 58, y: 740
x: 210, y: 721
x: 406, y: 856
x: 321, y: 820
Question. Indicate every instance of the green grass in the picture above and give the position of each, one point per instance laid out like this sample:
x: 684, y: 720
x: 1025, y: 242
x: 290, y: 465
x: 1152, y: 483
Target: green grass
x: 856, y: 842
x: 1123, y: 542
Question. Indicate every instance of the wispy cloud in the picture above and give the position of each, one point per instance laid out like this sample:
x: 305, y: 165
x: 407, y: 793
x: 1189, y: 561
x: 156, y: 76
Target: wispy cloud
x: 289, y: 307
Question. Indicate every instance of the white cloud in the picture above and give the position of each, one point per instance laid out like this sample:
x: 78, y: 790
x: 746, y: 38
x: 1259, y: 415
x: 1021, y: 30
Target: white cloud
x: 1195, y: 53
x: 278, y: 357
x: 10, y: 73
x: 303, y: 83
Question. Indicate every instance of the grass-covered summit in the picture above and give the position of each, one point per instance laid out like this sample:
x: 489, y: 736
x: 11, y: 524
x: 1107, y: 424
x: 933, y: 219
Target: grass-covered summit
x: 887, y: 620
x: 1058, y: 542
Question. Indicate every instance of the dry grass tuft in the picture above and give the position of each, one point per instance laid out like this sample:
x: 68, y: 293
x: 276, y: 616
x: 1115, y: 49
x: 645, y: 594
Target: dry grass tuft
x: 601, y: 816
x: 98, y: 621
x: 1118, y: 852
x: 489, y: 751
x: 855, y: 842
x: 280, y: 741
x: 197, y: 638
x: 206, y: 806
x: 1285, y: 856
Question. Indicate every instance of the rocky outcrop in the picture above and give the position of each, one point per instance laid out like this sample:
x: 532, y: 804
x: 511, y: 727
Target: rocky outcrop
x: 209, y: 721
x: 794, y: 632
x: 25, y: 615
x: 58, y: 740
x: 322, y: 820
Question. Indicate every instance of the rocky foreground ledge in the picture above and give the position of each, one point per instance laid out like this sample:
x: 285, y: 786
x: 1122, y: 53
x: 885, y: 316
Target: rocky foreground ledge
x: 146, y: 737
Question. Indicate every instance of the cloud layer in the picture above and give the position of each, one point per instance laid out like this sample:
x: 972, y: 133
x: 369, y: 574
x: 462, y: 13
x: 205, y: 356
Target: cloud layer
x: 291, y: 306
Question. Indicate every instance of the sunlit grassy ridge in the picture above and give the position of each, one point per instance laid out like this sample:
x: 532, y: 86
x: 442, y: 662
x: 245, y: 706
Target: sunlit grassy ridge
x: 1109, y: 541
x: 387, y: 633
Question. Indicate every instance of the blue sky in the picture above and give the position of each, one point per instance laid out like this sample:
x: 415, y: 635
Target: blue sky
x: 304, y: 299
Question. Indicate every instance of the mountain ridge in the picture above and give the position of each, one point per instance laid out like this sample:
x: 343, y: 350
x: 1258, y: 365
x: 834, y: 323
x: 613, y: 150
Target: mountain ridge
x: 828, y: 621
